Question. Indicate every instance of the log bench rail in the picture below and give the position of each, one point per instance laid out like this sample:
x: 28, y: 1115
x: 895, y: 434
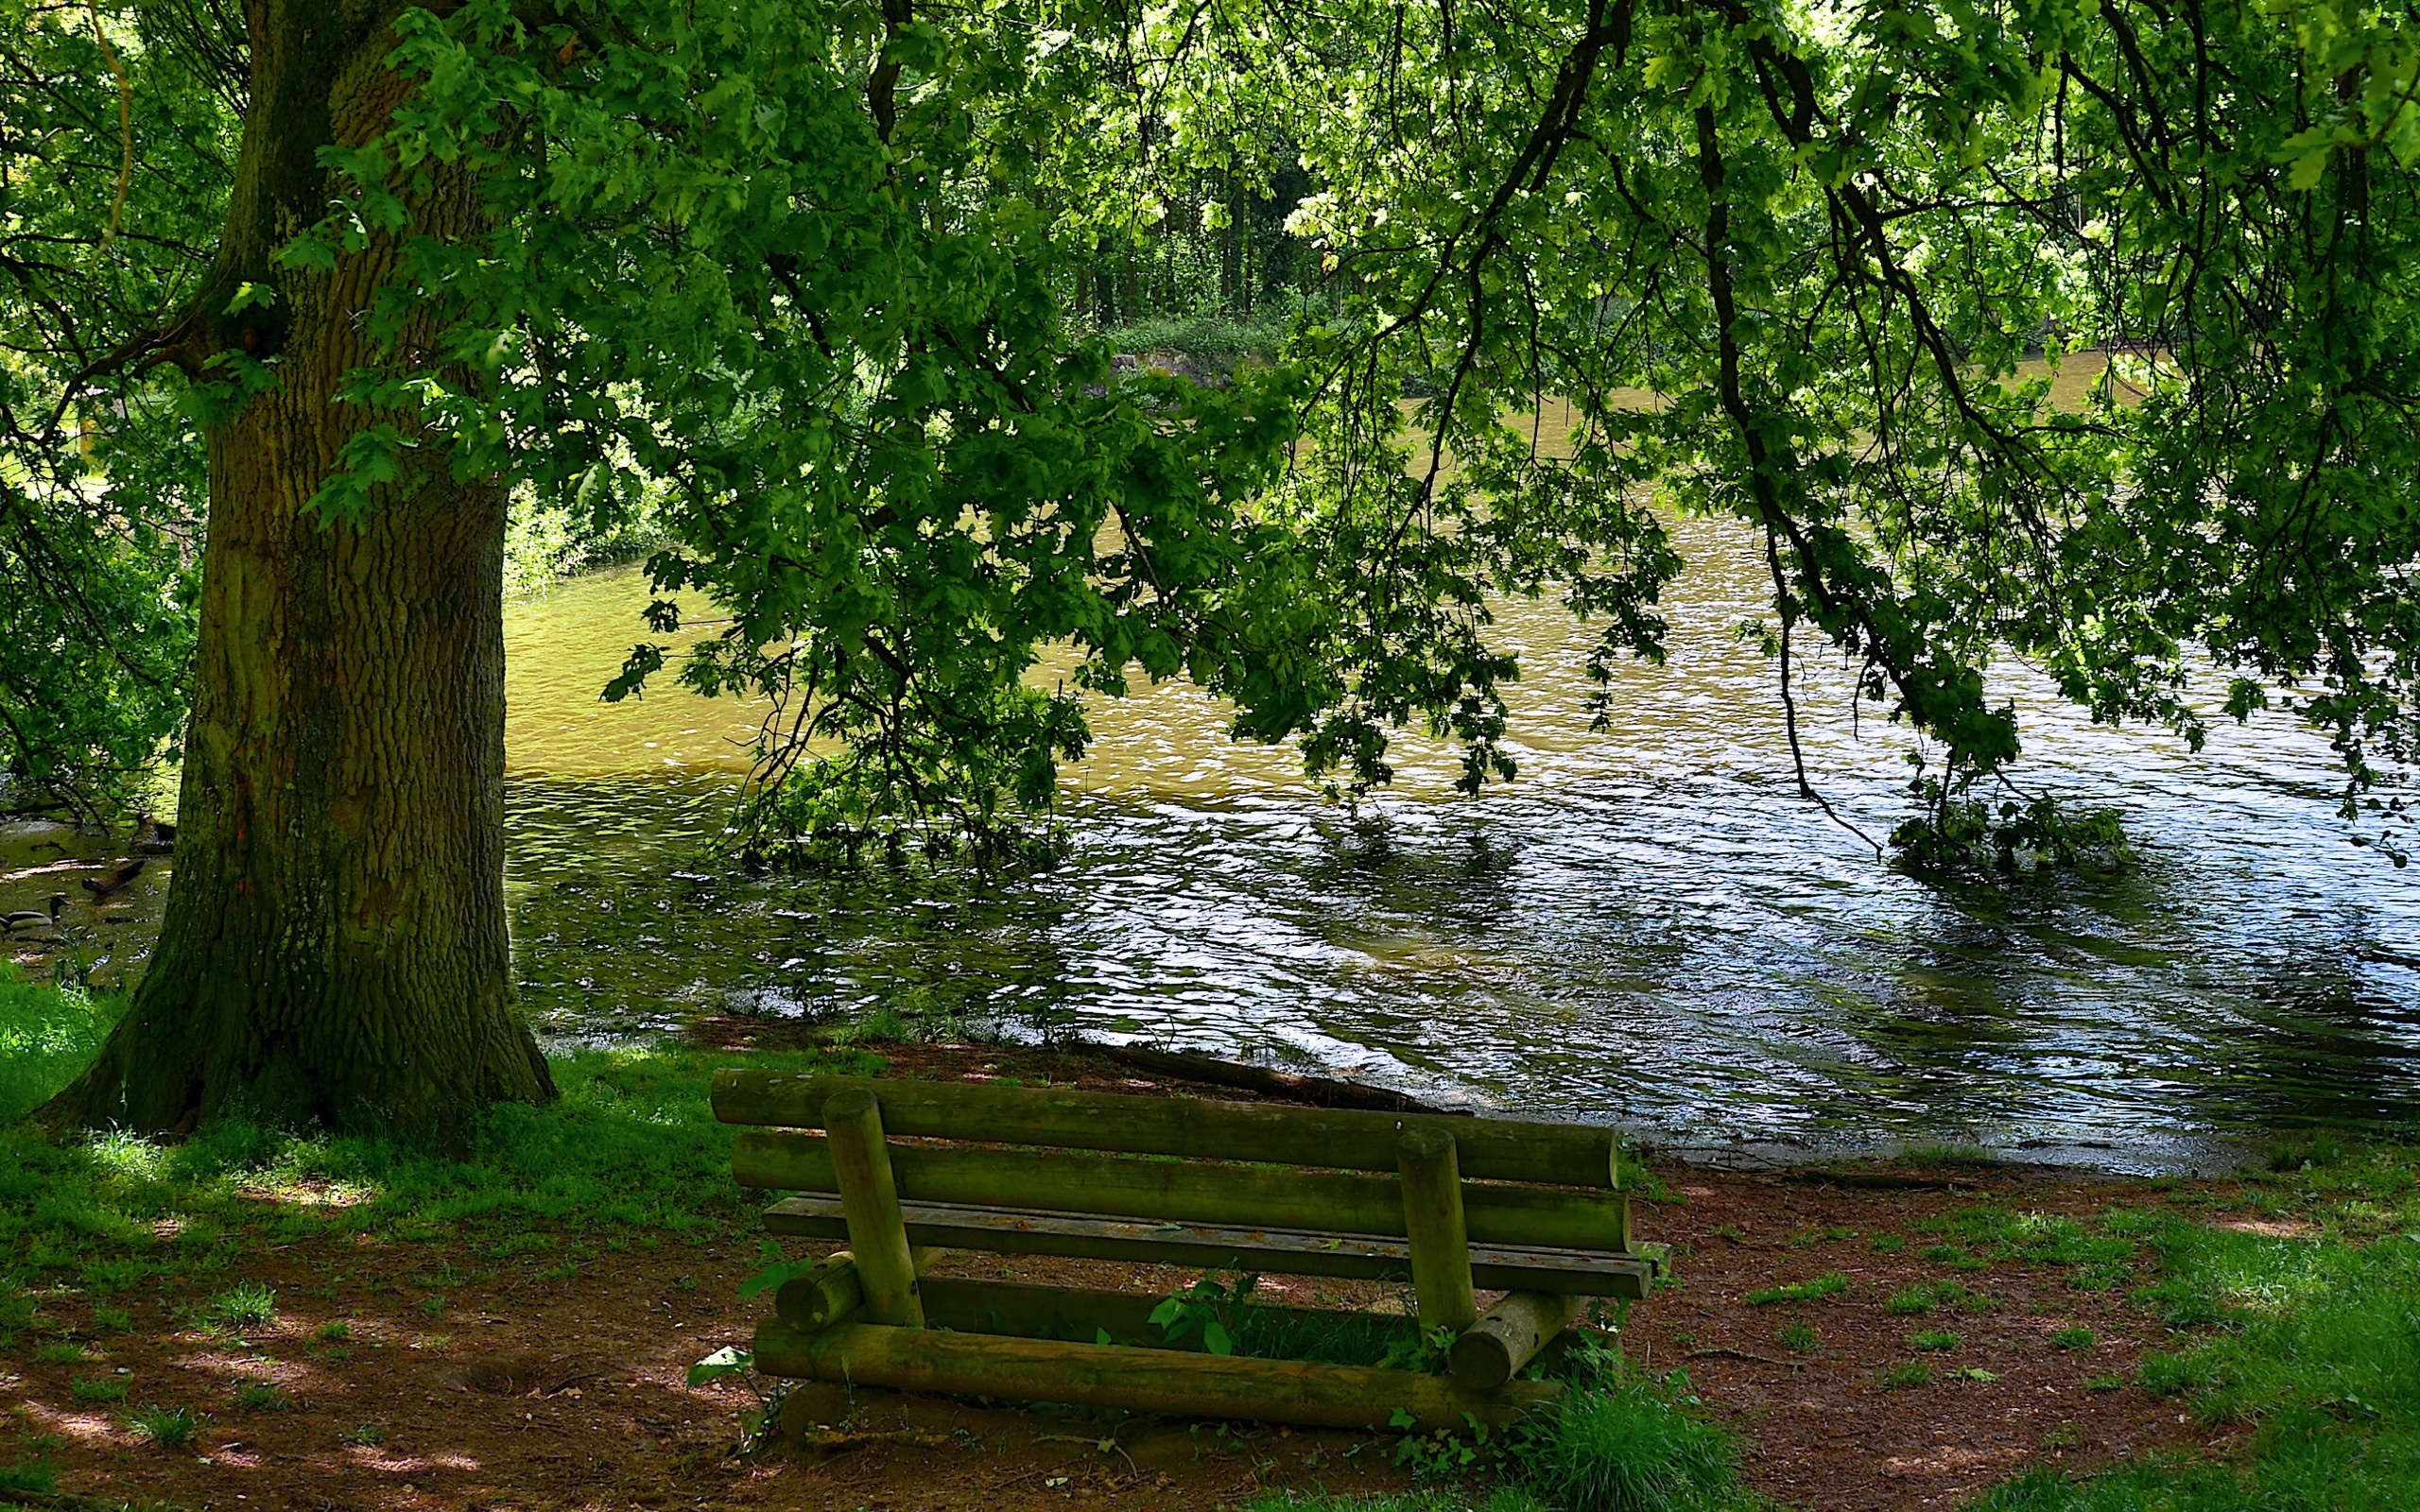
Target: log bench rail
x: 902, y: 1169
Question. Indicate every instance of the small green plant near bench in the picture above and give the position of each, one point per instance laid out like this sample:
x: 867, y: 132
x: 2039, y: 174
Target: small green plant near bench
x: 1831, y: 1283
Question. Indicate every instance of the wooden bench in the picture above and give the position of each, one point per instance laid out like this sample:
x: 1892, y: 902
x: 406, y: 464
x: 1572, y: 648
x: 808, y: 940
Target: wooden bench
x: 905, y: 1169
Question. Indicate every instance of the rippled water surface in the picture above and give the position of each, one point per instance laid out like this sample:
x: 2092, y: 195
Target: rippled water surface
x: 1648, y: 928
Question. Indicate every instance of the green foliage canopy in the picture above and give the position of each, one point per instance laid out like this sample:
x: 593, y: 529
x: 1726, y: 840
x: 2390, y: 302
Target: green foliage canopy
x: 807, y: 269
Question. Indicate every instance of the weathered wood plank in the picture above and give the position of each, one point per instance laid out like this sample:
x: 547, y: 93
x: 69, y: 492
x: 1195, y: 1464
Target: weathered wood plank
x: 1198, y: 1128
x: 1282, y: 1251
x: 1434, y: 1227
x: 831, y: 1293
x: 870, y: 1203
x: 1108, y: 1375
x: 1190, y: 1191
x: 975, y: 1305
x: 1494, y: 1348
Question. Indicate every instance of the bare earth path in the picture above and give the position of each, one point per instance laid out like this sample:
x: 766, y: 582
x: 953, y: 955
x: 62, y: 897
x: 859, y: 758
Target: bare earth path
x: 424, y: 1376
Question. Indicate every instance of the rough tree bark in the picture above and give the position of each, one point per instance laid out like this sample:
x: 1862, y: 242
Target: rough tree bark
x: 335, y: 948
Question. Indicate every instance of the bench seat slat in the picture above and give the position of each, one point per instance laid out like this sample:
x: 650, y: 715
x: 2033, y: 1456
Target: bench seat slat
x: 1284, y: 1251
x: 1189, y: 1192
x: 1492, y: 1149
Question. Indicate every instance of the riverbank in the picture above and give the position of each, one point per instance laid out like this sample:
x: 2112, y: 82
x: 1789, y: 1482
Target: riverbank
x: 344, y: 1322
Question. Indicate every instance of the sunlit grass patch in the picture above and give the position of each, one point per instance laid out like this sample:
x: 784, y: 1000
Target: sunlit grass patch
x: 47, y: 1036
x: 2305, y: 1318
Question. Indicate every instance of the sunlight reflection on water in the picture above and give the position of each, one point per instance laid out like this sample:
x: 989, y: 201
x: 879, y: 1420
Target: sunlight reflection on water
x: 1648, y: 928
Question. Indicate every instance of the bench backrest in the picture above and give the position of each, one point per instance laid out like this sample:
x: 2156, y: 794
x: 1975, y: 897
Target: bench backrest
x: 1182, y: 1160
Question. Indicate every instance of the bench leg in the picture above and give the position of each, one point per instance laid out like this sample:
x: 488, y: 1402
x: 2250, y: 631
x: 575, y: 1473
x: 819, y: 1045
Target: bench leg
x: 1432, y: 1215
x: 869, y: 1204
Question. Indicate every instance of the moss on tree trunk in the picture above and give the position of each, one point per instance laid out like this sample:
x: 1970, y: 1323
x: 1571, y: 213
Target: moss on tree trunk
x: 335, y: 948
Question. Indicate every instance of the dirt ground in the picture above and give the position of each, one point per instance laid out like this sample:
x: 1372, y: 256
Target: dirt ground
x: 415, y: 1376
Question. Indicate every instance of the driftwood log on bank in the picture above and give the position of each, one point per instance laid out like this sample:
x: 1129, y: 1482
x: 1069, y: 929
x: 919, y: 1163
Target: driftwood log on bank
x: 1321, y: 1091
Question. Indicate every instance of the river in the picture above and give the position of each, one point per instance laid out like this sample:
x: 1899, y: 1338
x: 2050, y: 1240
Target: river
x: 1648, y: 928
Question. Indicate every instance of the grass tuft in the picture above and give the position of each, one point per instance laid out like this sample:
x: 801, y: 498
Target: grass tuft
x: 249, y: 1304
x: 169, y: 1428
x: 1906, y: 1373
x: 1814, y: 1289
x: 1632, y: 1445
x: 252, y: 1393
x: 92, y: 1389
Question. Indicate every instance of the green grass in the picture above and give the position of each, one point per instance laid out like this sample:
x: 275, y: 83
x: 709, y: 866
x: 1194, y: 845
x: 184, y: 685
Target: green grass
x: 2074, y: 1339
x: 1908, y: 1373
x: 1814, y: 1289
x: 2309, y: 1343
x: 255, y: 1395
x: 1499, y: 1498
x: 46, y: 1035
x: 1936, y: 1157
x: 169, y: 1428
x: 92, y: 1389
x: 1935, y: 1341
x: 1925, y: 1297
x: 1798, y: 1337
x: 247, y: 1305
x: 1625, y: 1442
x: 630, y: 1153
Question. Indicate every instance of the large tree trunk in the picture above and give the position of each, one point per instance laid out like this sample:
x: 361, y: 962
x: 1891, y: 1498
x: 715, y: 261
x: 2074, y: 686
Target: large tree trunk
x: 335, y: 948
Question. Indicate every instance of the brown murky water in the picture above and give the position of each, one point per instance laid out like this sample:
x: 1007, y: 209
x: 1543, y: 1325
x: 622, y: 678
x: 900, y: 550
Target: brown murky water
x: 1648, y: 928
